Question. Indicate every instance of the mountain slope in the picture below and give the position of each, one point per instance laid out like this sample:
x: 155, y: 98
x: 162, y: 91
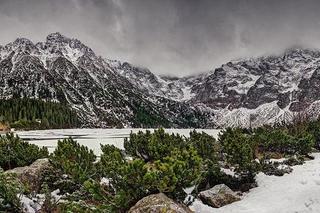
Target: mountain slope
x: 264, y: 90
x: 254, y: 92
x: 65, y: 70
x: 174, y: 88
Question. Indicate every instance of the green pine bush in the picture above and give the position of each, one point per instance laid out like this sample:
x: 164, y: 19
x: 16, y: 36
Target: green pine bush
x: 74, y: 160
x: 10, y: 188
x: 161, y: 163
x: 152, y: 146
x: 239, y: 150
x: 14, y: 152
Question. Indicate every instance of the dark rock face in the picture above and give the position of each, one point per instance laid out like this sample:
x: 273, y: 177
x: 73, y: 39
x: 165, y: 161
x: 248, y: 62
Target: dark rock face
x: 298, y: 106
x: 310, y: 88
x: 251, y: 83
x: 157, y: 203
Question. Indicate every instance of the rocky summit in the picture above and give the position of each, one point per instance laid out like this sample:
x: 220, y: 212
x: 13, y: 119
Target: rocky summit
x: 110, y: 93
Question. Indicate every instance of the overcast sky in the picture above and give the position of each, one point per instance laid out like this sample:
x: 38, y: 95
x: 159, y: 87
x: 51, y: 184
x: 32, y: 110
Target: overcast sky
x: 177, y: 37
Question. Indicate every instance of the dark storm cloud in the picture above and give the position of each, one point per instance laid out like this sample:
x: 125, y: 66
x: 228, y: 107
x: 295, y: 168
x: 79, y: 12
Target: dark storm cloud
x: 169, y: 36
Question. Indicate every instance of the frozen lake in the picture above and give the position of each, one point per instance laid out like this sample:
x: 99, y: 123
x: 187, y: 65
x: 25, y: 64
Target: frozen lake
x: 92, y: 138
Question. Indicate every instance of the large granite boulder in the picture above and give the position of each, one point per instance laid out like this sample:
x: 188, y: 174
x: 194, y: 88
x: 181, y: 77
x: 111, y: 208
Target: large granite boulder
x: 218, y: 196
x: 158, y: 203
x: 31, y: 175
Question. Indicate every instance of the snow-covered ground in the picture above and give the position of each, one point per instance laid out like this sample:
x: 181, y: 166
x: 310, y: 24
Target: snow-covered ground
x: 91, y: 138
x: 297, y: 192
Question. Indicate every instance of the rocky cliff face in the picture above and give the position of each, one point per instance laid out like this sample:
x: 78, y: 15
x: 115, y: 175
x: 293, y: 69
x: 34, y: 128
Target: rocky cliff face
x: 255, y: 91
x: 262, y: 90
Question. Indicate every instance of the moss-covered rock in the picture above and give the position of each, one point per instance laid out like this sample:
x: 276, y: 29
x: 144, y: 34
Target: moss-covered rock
x: 31, y: 175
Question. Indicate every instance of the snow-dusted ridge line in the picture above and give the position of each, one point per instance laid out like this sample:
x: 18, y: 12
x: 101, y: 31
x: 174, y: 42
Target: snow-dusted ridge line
x: 268, y: 89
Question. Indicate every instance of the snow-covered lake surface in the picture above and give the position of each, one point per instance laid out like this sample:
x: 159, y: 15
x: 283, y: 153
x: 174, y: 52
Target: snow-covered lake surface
x: 91, y: 138
x: 297, y: 192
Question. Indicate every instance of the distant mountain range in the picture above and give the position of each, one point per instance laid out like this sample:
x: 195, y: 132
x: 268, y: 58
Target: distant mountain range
x: 110, y: 93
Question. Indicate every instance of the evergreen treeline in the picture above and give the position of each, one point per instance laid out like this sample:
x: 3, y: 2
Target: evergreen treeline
x: 25, y: 113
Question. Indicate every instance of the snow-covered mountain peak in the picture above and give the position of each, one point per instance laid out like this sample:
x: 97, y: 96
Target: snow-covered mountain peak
x: 20, y: 44
x: 298, y: 54
x: 23, y: 42
x: 58, y: 45
x: 61, y: 41
x: 17, y: 48
x: 57, y: 38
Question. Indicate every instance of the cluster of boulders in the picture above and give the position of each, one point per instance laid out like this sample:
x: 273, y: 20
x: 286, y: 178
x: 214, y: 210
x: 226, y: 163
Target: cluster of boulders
x: 218, y: 196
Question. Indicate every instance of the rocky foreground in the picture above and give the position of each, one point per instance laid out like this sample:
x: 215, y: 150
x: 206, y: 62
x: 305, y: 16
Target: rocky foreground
x: 297, y: 191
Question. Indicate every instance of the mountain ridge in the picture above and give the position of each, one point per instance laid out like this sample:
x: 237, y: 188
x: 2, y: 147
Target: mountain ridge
x: 65, y: 70
x: 107, y: 93
x: 257, y: 91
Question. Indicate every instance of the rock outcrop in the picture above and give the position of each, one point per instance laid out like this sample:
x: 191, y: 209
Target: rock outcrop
x: 31, y: 175
x: 218, y: 196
